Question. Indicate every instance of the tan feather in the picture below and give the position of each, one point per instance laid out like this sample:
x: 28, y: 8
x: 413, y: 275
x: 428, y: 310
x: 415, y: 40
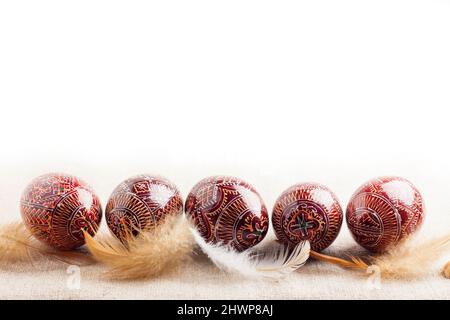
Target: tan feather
x: 17, y: 245
x: 446, y: 270
x: 149, y: 254
x: 412, y: 258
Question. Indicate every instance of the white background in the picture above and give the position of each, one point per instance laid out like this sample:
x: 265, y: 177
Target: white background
x: 276, y: 92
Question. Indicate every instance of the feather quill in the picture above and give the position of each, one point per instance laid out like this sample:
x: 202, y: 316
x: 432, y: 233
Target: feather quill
x: 353, y: 262
x: 149, y: 254
x: 274, y: 263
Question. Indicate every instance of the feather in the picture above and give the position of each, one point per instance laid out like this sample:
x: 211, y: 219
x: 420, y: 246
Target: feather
x: 149, y: 254
x: 17, y: 245
x: 276, y: 262
x: 446, y: 270
x: 412, y: 258
x: 353, y: 263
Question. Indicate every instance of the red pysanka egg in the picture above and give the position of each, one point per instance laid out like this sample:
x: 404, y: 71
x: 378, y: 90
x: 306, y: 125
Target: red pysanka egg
x: 307, y: 211
x: 141, y: 203
x: 229, y: 211
x: 57, y: 207
x: 384, y: 211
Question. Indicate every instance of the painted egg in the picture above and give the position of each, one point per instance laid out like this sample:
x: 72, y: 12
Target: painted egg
x: 57, y: 207
x: 384, y: 211
x: 307, y: 211
x: 141, y: 203
x: 229, y: 211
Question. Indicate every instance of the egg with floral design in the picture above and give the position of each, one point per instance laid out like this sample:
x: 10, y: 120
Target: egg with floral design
x: 307, y: 211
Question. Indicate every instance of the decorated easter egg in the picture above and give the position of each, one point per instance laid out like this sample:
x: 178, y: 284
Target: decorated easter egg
x: 56, y: 208
x: 384, y: 211
x: 228, y: 211
x: 141, y: 203
x: 307, y: 211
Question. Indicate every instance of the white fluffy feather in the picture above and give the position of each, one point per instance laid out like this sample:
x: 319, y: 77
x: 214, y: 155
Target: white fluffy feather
x: 276, y: 262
